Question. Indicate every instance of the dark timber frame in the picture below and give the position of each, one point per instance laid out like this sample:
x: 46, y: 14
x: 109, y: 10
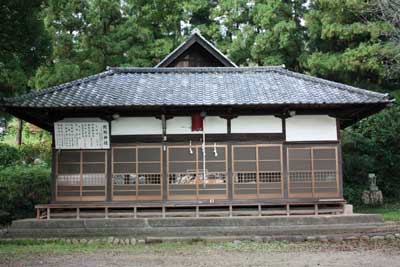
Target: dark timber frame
x: 247, y: 141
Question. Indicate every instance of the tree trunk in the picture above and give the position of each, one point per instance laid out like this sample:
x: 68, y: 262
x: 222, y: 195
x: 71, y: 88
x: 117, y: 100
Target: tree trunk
x: 18, y: 139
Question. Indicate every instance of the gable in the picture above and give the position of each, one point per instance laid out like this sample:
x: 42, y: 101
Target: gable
x: 196, y: 51
x: 196, y: 56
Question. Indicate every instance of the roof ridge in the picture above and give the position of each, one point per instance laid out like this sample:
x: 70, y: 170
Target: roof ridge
x: 192, y: 69
x: 62, y: 86
x: 338, y: 85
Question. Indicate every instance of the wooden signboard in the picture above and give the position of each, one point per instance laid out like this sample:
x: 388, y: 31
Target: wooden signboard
x: 82, y: 135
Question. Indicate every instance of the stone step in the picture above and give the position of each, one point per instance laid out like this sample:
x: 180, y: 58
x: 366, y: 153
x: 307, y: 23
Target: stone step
x: 189, y: 222
x: 200, y: 227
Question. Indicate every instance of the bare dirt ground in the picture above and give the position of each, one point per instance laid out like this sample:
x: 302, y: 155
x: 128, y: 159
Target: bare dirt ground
x: 203, y: 255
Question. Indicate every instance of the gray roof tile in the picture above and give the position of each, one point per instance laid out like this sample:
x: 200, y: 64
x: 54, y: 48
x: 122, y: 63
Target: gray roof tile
x: 197, y: 86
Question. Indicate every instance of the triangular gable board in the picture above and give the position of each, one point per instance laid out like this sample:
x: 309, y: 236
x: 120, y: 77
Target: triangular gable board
x: 196, y: 51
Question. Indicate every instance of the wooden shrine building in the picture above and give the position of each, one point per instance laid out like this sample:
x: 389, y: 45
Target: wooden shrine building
x: 196, y: 130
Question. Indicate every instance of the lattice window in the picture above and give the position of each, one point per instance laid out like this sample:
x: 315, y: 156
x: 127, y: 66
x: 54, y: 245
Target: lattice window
x: 66, y: 180
x: 93, y: 179
x: 300, y: 176
x: 245, y: 177
x: 216, y: 178
x: 182, y: 178
x: 270, y: 177
x: 149, y: 178
x: 124, y: 179
x: 325, y: 176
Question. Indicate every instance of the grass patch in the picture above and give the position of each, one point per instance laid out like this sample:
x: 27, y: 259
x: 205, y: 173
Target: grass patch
x: 390, y: 211
x: 18, y: 247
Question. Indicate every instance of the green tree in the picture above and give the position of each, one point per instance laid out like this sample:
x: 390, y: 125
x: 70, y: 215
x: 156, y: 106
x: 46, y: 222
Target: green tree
x: 259, y: 32
x: 373, y: 145
x: 23, y: 48
x: 280, y: 36
x: 232, y: 29
x: 66, y: 21
x: 347, y: 42
x: 24, y: 44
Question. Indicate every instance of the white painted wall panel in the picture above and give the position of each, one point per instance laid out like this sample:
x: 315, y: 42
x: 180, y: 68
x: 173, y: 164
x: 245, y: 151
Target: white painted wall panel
x: 216, y: 125
x: 183, y: 125
x: 179, y: 125
x: 311, y: 128
x: 136, y: 126
x: 256, y: 124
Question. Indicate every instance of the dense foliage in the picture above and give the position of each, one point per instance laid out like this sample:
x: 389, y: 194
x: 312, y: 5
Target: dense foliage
x: 21, y: 188
x: 48, y: 42
x: 373, y: 145
x: 24, y: 43
x: 24, y: 180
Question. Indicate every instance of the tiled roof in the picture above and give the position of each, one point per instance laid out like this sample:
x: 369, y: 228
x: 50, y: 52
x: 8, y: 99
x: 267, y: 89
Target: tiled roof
x: 196, y: 87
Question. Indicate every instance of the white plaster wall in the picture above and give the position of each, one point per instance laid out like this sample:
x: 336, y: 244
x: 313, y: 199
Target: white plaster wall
x: 311, y: 128
x: 183, y: 125
x: 216, y: 125
x: 256, y: 124
x: 179, y: 125
x: 136, y: 126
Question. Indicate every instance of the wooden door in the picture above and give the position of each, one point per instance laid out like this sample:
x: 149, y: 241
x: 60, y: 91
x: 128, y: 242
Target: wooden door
x: 186, y: 180
x: 137, y: 173
x: 313, y: 172
x: 257, y: 171
x: 81, y: 175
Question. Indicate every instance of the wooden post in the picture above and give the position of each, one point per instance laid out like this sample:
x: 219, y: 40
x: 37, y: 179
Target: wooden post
x: 135, y: 212
x: 230, y: 211
x: 37, y: 213
x: 259, y: 210
x: 163, y: 211
x: 106, y: 212
x: 197, y: 212
x: 78, y: 213
x: 109, y: 168
x: 316, y: 209
x: 48, y: 213
x: 18, y: 138
x: 287, y: 210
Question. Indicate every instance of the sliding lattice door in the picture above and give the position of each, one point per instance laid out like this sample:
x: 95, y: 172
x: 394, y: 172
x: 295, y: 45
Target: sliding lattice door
x: 313, y: 172
x: 186, y: 179
x: 81, y: 175
x: 257, y: 171
x: 137, y: 173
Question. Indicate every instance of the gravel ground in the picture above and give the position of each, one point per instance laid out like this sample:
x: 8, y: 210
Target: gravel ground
x: 199, y: 255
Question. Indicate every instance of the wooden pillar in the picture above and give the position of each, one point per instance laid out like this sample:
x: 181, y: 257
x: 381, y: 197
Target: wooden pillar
x: 109, y: 175
x: 230, y: 172
x: 164, y: 174
x: 339, y: 158
x: 109, y: 157
x: 53, y: 173
x: 285, y: 174
x: 164, y: 148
